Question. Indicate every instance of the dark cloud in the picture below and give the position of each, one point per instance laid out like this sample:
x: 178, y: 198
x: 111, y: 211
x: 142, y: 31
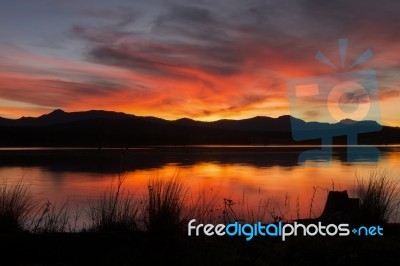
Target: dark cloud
x: 119, y: 17
x: 191, y: 24
x: 218, y: 39
x: 71, y: 91
x: 189, y: 15
x: 354, y: 97
x: 183, y: 36
x: 159, y: 58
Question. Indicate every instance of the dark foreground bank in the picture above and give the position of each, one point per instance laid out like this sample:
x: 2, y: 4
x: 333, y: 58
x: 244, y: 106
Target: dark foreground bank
x: 140, y: 248
x: 153, y: 230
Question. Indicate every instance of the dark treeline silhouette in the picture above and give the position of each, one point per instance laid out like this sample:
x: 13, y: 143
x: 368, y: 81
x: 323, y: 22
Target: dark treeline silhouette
x: 112, y: 129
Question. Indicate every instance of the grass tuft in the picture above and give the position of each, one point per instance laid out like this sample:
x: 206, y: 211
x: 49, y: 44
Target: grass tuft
x: 17, y: 206
x: 115, y: 210
x: 379, y: 197
x: 53, y: 219
x: 165, y: 209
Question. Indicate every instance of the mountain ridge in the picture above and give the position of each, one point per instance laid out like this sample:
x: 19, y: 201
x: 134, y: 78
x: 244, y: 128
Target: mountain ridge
x: 59, y: 116
x: 101, y: 128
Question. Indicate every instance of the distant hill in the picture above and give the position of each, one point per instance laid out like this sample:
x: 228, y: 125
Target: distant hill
x: 60, y: 117
x: 98, y: 128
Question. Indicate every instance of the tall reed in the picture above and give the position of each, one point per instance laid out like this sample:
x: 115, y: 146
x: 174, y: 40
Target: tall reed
x: 379, y: 195
x: 115, y: 210
x: 165, y: 207
x: 17, y: 206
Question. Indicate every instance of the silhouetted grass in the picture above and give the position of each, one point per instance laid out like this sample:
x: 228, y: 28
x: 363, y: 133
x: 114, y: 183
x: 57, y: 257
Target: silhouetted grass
x: 165, y: 207
x: 241, y: 211
x: 51, y: 218
x: 168, y: 206
x: 203, y: 207
x: 17, y: 206
x: 379, y: 195
x: 115, y: 210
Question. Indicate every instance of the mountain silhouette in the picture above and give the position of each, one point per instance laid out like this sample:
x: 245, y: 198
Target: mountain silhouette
x: 60, y: 117
x: 98, y: 128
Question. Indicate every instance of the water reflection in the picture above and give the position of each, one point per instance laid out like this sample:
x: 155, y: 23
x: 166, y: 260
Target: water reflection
x: 117, y: 160
x: 242, y: 174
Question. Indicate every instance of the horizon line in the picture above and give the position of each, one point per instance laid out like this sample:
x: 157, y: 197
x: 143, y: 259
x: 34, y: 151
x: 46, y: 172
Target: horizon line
x: 172, y: 120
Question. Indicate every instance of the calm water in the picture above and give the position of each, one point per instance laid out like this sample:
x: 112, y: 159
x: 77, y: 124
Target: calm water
x: 244, y: 174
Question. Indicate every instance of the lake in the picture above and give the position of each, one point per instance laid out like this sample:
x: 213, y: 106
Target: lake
x: 248, y: 175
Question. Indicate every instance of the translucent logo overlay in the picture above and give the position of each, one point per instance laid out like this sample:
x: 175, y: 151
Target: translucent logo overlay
x: 339, y: 104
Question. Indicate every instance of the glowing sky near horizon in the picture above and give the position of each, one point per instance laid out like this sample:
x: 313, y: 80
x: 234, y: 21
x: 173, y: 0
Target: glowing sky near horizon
x: 205, y: 60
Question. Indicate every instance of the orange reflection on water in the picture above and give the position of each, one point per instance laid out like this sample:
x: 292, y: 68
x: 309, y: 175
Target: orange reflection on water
x: 245, y: 184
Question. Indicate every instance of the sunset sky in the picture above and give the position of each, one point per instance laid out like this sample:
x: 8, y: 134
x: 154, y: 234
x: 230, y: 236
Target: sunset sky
x: 205, y: 60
